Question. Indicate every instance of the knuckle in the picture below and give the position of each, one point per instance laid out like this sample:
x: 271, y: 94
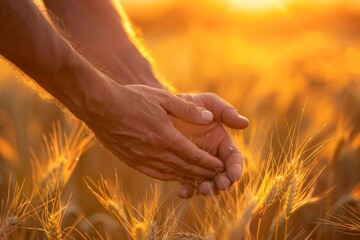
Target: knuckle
x: 171, y: 142
x: 187, y: 168
x: 162, y: 97
x: 191, y: 109
x: 166, y: 96
x: 154, y: 138
x: 212, y: 95
x: 195, y: 159
x: 182, y: 95
x: 161, y: 135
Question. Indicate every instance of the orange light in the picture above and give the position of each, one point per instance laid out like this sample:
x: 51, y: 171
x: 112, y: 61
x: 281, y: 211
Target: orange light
x: 256, y: 5
x: 237, y: 51
x: 352, y: 60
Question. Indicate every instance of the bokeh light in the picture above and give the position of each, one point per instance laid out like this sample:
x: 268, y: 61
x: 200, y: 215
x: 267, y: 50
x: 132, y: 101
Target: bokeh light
x: 268, y: 58
x: 255, y: 5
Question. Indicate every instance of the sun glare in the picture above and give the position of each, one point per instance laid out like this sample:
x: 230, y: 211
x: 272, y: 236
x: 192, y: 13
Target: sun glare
x: 255, y: 5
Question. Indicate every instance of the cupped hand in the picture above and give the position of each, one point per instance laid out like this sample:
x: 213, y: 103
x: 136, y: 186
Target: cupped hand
x: 214, y: 139
x: 133, y: 123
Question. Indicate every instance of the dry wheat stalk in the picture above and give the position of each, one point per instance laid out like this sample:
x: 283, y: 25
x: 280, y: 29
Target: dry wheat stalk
x: 140, y: 231
x: 240, y: 228
x: 139, y: 223
x: 347, y: 224
x: 290, y: 186
x: 52, y: 227
x: 289, y: 199
x: 154, y: 231
x: 276, y: 191
x: 189, y: 236
x: 51, y: 216
x: 62, y: 154
x: 111, y: 199
x: 8, y: 225
x: 14, y: 209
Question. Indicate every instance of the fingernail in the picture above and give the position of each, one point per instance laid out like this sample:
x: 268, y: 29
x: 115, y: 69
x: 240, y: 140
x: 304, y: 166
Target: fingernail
x: 207, y: 116
x: 223, y: 183
x: 234, y: 173
x: 243, y: 118
x: 183, y: 193
x: 206, y: 188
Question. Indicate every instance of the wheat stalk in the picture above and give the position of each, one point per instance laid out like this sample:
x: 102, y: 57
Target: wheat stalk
x: 14, y: 209
x: 189, y: 236
x: 111, y: 199
x: 62, y: 154
x: 51, y: 216
x: 154, y: 231
x: 139, y: 223
x: 52, y: 227
x: 240, y: 228
x: 290, y: 196
x: 276, y: 192
x: 346, y: 224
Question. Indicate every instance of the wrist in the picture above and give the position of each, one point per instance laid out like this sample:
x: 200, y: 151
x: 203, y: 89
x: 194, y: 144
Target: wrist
x: 82, y: 88
x: 130, y: 67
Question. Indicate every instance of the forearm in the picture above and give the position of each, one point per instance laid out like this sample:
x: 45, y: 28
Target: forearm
x: 97, y: 29
x: 30, y: 42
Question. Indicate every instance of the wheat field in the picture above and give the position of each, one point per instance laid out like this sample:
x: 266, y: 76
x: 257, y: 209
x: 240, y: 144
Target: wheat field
x: 291, y: 67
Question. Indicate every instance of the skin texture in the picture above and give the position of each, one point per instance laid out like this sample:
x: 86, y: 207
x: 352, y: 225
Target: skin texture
x: 96, y: 28
x: 149, y: 142
x: 125, y: 119
x: 214, y: 139
x: 124, y: 104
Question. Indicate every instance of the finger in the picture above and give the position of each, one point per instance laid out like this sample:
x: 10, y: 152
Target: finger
x: 181, y: 169
x: 186, y: 111
x: 224, y: 112
x: 189, y: 152
x: 165, y: 168
x: 232, y: 158
x: 222, y: 181
x: 208, y: 188
x: 186, y: 189
x: 188, y: 170
x: 156, y: 174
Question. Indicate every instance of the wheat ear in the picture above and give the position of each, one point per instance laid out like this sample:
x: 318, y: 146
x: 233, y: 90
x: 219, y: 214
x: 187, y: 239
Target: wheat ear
x: 290, y: 196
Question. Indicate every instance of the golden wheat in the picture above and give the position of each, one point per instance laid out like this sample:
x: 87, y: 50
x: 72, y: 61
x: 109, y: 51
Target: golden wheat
x: 14, y: 209
x: 240, y: 228
x: 347, y: 224
x: 189, y: 236
x: 140, y: 223
x: 62, y: 154
x: 290, y: 195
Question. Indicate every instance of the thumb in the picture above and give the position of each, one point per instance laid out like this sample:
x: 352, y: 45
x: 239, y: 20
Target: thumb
x: 224, y: 112
x: 187, y: 111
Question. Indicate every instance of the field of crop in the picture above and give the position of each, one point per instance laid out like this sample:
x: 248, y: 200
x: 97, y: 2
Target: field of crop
x: 291, y: 67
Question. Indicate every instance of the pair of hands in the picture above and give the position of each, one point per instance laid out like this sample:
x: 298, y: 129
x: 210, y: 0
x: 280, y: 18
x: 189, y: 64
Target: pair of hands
x: 170, y: 137
x: 164, y: 136
x: 135, y: 122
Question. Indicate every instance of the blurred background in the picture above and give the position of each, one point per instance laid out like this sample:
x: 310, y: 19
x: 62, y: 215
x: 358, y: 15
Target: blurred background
x: 269, y: 58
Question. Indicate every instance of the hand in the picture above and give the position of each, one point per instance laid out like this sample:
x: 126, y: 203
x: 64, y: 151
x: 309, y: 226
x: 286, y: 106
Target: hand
x: 214, y: 139
x: 133, y: 123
